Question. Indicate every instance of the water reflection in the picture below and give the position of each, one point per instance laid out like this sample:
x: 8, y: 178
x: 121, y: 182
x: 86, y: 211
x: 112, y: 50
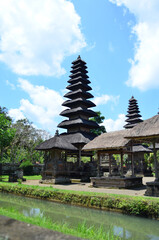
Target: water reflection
x: 128, y: 227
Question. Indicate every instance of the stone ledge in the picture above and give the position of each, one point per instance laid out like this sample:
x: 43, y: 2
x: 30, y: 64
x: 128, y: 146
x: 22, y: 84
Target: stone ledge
x: 117, y: 182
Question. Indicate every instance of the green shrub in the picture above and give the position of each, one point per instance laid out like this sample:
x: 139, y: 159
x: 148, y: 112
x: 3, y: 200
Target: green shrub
x: 27, y: 167
x: 142, y: 206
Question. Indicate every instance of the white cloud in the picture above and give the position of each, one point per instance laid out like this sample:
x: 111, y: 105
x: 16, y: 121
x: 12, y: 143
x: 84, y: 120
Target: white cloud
x: 103, y: 99
x: 10, y: 84
x: 144, y: 70
x: 16, y: 114
x: 114, y: 125
x: 36, y: 36
x: 44, y: 107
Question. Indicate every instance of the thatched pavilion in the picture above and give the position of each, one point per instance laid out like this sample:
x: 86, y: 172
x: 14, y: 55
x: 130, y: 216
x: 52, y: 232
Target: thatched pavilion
x: 113, y: 143
x: 55, y: 169
x: 148, y: 131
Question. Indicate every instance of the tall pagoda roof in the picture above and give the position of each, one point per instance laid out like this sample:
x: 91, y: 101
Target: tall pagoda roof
x: 78, y: 104
x: 133, y: 116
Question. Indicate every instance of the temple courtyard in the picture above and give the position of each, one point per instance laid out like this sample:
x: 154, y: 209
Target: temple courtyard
x: 86, y: 187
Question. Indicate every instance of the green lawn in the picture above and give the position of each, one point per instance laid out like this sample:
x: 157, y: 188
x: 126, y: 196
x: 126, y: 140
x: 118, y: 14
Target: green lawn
x: 34, y: 177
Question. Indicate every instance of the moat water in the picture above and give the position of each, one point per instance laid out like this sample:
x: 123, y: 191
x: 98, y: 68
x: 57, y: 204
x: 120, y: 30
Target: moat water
x: 127, y: 227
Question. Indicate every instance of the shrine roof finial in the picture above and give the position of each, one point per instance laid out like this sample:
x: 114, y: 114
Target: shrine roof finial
x: 79, y: 57
x: 57, y: 133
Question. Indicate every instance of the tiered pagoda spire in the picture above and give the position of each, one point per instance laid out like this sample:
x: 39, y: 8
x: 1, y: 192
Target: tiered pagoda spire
x: 133, y: 116
x: 78, y: 104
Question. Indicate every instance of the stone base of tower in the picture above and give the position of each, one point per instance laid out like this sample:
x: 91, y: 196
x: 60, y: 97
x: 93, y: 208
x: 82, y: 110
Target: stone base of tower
x: 152, y: 189
x: 56, y: 180
x: 117, y: 182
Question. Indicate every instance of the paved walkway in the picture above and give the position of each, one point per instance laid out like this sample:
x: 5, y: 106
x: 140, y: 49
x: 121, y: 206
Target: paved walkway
x: 86, y: 187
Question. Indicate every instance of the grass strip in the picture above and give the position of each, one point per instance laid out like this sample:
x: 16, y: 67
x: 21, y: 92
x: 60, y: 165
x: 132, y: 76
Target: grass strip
x: 80, y: 231
x: 33, y: 177
x: 139, y: 206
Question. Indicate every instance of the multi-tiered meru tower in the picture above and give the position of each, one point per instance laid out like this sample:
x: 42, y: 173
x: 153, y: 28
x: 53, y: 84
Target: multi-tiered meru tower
x: 133, y: 116
x: 78, y: 106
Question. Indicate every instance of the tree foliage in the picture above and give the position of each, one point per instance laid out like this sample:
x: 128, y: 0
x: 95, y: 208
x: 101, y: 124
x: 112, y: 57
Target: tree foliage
x: 18, y: 140
x: 98, y: 119
x: 7, y: 134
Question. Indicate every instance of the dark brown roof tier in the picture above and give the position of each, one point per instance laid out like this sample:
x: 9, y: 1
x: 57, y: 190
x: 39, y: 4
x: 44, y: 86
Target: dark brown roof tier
x: 87, y: 112
x: 133, y: 120
x: 79, y: 69
x: 77, y: 74
x: 78, y: 93
x: 78, y: 60
x: 79, y: 85
x: 56, y: 142
x: 79, y: 79
x: 78, y: 137
x: 79, y: 64
x: 78, y: 102
x: 133, y: 115
x: 78, y: 122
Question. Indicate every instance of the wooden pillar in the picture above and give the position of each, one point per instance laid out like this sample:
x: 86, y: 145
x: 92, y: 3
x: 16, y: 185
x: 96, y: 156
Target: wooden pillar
x: 122, y: 172
x: 132, y: 159
x: 98, y: 164
x: 110, y: 165
x: 155, y: 162
x: 79, y: 156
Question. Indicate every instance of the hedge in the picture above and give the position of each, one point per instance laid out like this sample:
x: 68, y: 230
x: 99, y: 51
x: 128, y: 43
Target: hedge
x: 144, y: 207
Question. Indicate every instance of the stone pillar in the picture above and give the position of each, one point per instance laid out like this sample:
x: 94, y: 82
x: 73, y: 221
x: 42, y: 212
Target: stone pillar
x: 98, y: 164
x: 155, y: 162
x: 79, y: 156
x: 122, y: 172
x: 132, y: 160
x: 110, y: 165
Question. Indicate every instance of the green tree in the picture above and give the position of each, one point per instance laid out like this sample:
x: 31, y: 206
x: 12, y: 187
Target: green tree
x: 98, y: 119
x: 6, y: 134
x: 25, y: 140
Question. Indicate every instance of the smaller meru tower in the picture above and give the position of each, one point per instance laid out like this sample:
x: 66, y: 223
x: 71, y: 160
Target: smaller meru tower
x: 78, y: 106
x: 133, y: 116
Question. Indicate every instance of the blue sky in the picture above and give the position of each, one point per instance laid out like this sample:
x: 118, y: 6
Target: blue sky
x: 119, y: 40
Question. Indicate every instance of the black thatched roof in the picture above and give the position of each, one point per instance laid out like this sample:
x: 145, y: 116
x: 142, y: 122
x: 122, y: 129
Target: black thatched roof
x: 79, y: 85
x: 78, y: 121
x: 78, y: 93
x: 79, y: 102
x: 79, y: 110
x: 56, y: 142
x: 78, y: 137
x: 79, y: 79
x: 78, y: 60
